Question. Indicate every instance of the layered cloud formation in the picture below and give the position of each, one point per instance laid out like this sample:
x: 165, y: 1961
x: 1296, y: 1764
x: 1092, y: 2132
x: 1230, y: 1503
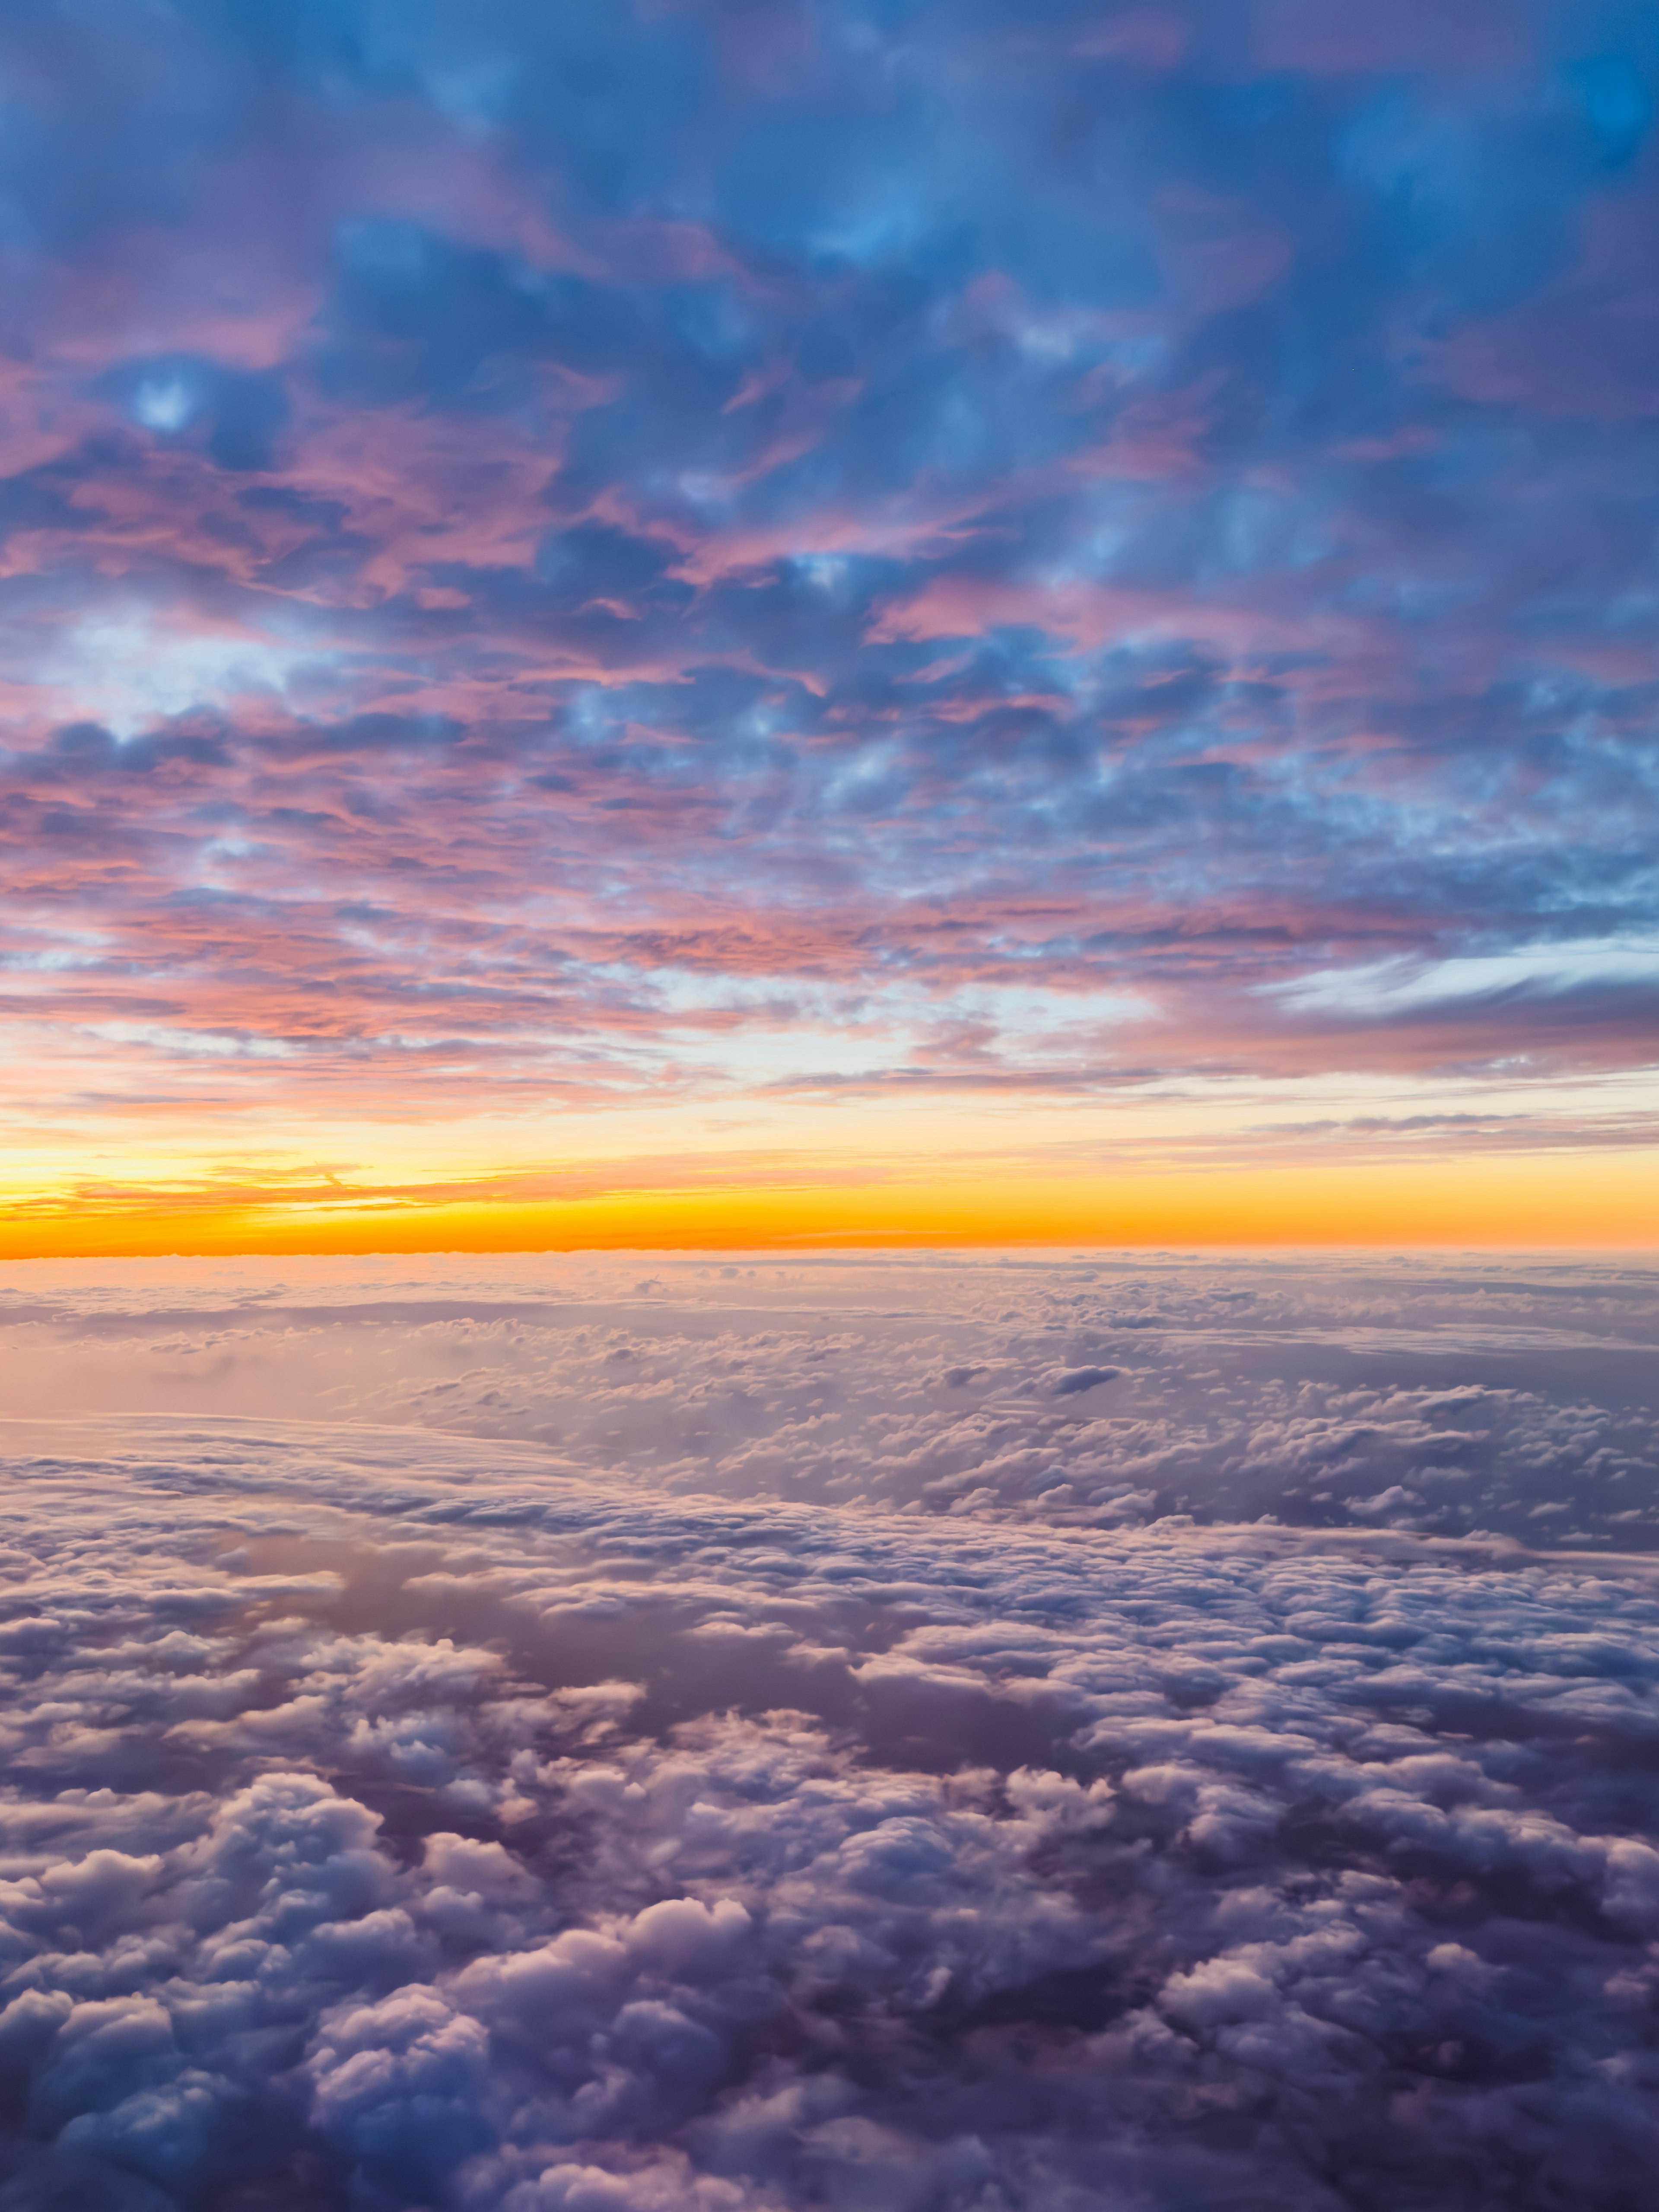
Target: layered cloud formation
x: 557, y: 559
x: 397, y: 1819
x: 1457, y: 1398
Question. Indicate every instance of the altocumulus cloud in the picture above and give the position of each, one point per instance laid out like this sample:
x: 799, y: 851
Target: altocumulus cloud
x: 556, y: 524
x: 397, y: 1819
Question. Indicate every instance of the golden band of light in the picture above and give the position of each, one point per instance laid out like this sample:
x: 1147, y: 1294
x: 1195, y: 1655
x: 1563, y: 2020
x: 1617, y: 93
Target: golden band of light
x: 1608, y: 1199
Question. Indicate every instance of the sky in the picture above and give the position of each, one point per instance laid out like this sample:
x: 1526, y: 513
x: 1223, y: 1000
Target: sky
x: 680, y: 621
x: 982, y: 1731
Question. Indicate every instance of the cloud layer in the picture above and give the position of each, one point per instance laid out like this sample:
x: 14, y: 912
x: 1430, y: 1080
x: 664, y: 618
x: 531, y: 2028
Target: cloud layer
x: 398, y: 1820
x: 1451, y: 1398
x: 555, y: 557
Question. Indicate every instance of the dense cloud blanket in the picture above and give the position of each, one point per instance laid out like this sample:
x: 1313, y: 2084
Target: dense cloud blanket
x: 400, y: 1818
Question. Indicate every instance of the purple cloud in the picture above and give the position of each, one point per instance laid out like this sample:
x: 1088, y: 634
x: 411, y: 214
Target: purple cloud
x: 541, y: 512
x: 413, y: 1820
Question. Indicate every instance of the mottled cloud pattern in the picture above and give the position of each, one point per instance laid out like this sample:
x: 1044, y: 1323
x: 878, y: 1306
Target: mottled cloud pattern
x: 411, y: 1818
x: 557, y: 555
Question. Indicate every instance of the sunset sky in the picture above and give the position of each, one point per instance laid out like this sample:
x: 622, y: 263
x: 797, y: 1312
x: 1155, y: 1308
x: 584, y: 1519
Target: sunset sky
x: 739, y: 621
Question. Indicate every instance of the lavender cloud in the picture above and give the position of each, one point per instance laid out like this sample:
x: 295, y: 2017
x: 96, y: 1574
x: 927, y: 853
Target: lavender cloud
x: 1447, y: 1398
x: 404, y: 1819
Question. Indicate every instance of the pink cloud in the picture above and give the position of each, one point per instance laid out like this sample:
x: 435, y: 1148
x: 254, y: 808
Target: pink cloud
x: 1413, y: 35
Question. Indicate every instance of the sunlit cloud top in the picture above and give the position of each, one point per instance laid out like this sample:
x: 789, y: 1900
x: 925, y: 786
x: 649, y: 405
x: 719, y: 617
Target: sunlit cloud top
x: 553, y: 558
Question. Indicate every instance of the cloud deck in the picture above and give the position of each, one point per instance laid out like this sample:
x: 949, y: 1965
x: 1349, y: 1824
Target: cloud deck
x: 397, y: 1819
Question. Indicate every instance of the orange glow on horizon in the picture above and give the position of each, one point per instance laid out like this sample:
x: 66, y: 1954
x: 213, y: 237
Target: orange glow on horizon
x: 1579, y: 1200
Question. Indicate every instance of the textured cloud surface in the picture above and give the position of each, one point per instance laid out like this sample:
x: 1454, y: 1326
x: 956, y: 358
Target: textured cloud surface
x: 1165, y: 1780
x: 554, y: 558
x: 1451, y: 1398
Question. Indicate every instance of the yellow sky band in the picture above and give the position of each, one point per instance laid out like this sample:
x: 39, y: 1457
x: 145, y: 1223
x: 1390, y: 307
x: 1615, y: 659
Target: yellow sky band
x: 1611, y: 1198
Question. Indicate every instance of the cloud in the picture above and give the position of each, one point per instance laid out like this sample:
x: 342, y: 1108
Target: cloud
x: 628, y: 502
x: 1446, y: 1399
x: 420, y: 1819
